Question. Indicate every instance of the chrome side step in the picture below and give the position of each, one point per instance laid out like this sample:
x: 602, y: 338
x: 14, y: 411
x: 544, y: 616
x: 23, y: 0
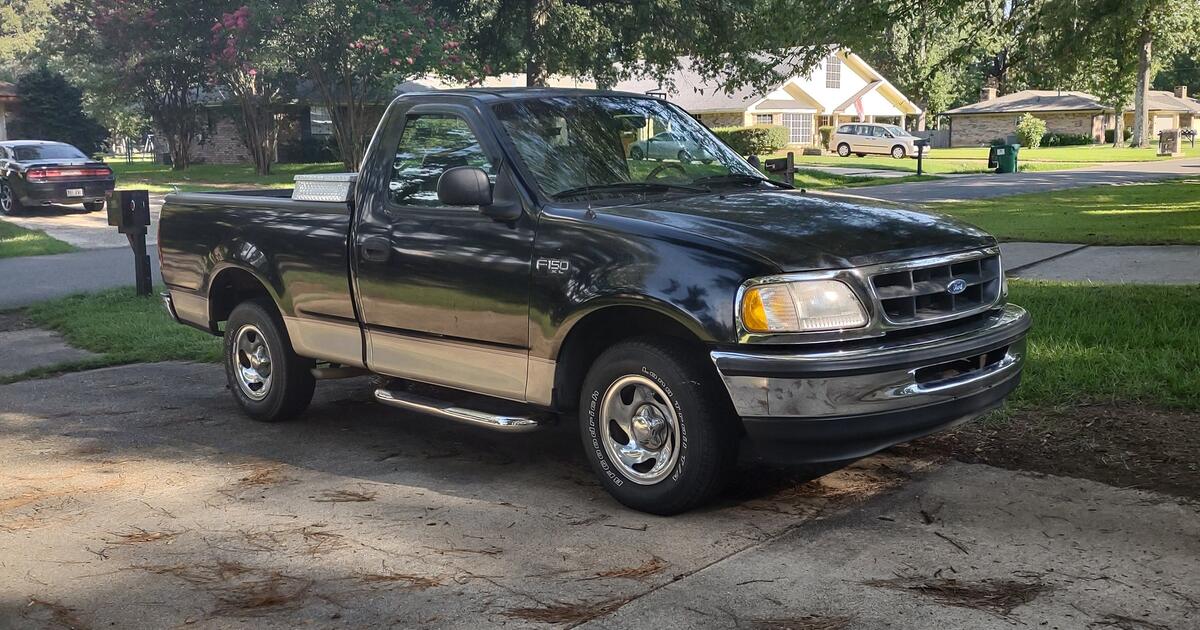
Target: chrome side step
x: 443, y: 409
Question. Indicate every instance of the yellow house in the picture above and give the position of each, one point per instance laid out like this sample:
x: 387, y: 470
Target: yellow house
x: 844, y: 88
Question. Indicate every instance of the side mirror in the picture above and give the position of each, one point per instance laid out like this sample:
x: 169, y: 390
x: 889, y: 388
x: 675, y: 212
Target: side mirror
x: 464, y: 186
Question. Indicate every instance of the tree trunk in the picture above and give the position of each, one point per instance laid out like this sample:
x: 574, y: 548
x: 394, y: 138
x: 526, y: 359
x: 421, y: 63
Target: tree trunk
x: 536, y: 73
x: 1141, y: 127
x: 1119, y: 127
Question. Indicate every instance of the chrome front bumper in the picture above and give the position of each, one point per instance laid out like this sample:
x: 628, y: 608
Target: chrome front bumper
x: 825, y: 404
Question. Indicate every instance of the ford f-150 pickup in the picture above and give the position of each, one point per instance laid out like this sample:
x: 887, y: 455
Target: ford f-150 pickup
x: 501, y: 259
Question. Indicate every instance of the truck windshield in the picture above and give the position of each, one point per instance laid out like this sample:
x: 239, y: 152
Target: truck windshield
x: 618, y: 145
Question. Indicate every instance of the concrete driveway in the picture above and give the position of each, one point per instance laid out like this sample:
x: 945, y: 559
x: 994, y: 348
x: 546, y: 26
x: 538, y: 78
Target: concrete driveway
x: 139, y: 497
x: 85, y: 230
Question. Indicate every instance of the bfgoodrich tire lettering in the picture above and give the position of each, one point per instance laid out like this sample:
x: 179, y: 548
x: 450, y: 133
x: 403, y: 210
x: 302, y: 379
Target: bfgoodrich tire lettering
x: 678, y: 391
x: 280, y: 383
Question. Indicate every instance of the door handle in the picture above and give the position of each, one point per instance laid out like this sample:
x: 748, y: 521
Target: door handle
x: 375, y: 249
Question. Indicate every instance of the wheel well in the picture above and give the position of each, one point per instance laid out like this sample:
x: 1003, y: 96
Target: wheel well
x: 598, y: 331
x: 230, y: 288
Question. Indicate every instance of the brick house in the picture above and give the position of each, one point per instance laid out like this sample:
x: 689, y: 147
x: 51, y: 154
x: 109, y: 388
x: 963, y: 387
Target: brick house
x: 8, y: 101
x: 1065, y: 112
x: 843, y: 88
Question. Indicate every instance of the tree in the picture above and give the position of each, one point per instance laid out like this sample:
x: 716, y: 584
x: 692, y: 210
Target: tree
x: 354, y: 51
x: 52, y: 109
x: 156, y: 51
x: 250, y: 60
x: 1182, y: 69
x: 1164, y: 28
x: 23, y: 25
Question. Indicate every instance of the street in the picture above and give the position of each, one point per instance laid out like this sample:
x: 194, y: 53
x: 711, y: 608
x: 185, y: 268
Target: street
x: 139, y: 497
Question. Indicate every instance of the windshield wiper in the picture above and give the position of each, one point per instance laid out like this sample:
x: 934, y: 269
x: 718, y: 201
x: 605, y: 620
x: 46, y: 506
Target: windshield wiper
x: 627, y: 186
x: 735, y: 178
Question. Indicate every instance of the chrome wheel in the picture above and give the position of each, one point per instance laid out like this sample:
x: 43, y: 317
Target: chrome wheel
x: 6, y: 198
x: 640, y: 429
x: 252, y: 362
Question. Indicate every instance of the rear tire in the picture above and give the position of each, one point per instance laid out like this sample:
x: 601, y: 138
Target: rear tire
x: 93, y: 206
x: 9, y: 203
x: 684, y: 156
x: 637, y: 154
x: 656, y: 426
x: 843, y: 150
x: 861, y: 154
x: 269, y: 381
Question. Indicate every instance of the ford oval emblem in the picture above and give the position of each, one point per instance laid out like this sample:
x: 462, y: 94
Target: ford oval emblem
x: 956, y: 286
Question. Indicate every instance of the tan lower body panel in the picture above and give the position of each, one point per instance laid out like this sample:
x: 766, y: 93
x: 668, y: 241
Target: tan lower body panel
x: 329, y: 341
x: 190, y: 308
x: 482, y: 369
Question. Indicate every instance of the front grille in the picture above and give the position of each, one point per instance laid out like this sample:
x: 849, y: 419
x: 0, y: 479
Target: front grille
x: 921, y: 294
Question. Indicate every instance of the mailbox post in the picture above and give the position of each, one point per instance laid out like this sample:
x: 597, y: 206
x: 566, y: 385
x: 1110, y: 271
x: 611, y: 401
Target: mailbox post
x: 785, y: 166
x: 921, y: 144
x: 129, y: 212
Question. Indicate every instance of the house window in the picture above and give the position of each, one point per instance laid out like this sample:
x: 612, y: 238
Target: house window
x: 764, y: 119
x: 799, y: 126
x: 320, y: 122
x: 833, y: 72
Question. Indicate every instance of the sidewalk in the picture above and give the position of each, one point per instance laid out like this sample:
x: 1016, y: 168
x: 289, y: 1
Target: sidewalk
x: 30, y: 279
x: 1130, y: 264
x: 986, y: 185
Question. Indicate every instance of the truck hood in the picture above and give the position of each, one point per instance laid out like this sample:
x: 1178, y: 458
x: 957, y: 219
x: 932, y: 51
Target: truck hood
x: 800, y: 231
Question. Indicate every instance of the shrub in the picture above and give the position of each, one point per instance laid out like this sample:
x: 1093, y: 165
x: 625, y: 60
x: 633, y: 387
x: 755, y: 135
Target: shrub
x: 754, y: 140
x: 825, y: 131
x: 1067, y: 139
x: 52, y: 109
x: 1110, y: 135
x: 1030, y: 130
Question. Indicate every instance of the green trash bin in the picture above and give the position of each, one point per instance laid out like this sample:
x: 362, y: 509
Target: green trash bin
x: 1003, y: 158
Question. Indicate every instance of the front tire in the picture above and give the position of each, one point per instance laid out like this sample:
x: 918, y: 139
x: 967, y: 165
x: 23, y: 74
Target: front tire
x: 10, y: 204
x: 269, y: 381
x: 656, y: 428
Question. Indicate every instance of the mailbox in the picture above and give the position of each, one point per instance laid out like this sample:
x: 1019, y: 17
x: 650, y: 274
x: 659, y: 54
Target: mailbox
x: 785, y: 166
x: 129, y: 210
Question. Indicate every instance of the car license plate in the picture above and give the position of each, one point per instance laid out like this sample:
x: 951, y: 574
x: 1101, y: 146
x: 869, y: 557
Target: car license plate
x: 74, y: 192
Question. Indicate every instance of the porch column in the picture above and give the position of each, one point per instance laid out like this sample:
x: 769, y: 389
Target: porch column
x: 902, y: 120
x: 3, y: 123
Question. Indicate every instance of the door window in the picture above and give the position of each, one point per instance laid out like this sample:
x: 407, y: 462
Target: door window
x: 799, y: 128
x: 846, y: 129
x: 430, y: 145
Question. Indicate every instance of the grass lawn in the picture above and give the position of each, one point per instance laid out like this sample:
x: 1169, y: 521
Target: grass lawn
x: 122, y: 328
x: 161, y: 179
x: 18, y: 241
x: 1132, y: 214
x: 1111, y: 344
x: 974, y: 159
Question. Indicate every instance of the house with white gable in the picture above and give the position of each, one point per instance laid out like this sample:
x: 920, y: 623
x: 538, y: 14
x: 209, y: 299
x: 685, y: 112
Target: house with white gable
x: 844, y: 88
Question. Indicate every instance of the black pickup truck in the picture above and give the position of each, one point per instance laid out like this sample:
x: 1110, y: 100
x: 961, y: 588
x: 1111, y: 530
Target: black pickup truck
x: 502, y: 260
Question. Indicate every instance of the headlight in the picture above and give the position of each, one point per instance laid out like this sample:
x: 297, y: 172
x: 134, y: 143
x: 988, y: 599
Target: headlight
x: 801, y: 307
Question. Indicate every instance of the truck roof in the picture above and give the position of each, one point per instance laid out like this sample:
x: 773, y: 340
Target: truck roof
x: 516, y: 93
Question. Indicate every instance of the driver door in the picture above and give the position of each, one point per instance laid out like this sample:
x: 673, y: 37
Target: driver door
x: 444, y: 290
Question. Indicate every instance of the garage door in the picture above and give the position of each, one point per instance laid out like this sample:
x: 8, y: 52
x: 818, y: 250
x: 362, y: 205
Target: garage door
x: 1163, y: 122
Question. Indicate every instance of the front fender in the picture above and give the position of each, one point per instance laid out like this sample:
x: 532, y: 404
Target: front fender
x: 593, y: 263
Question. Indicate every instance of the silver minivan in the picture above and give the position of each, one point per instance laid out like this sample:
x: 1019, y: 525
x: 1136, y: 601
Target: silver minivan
x: 863, y: 138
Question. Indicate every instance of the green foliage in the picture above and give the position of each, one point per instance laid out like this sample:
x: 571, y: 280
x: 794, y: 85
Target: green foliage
x: 23, y: 26
x: 52, y: 109
x: 754, y: 140
x: 1066, y: 139
x: 1030, y: 130
x: 825, y: 131
x: 1110, y: 136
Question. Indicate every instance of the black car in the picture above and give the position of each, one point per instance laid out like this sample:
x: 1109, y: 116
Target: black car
x: 40, y: 173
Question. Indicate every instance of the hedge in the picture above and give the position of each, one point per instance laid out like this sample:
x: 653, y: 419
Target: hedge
x: 1066, y: 139
x: 754, y: 140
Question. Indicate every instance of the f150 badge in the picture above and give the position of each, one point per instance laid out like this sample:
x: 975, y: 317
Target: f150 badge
x: 553, y: 265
